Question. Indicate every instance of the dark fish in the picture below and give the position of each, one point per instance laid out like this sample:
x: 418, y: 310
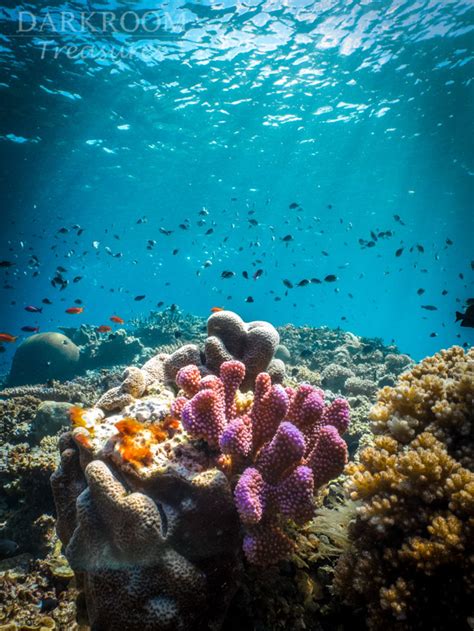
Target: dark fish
x: 245, y: 275
x: 249, y: 299
x: 399, y: 252
x: 177, y: 334
x: 48, y: 604
x: 433, y: 335
x: 183, y: 226
x: 30, y: 329
x: 76, y: 279
x: 449, y: 242
x: 324, y: 253
x: 293, y: 205
x: 63, y: 270
x: 466, y: 318
x: 303, y: 282
x: 429, y: 307
x: 398, y: 219
x: 287, y: 238
x: 160, y: 304
x: 420, y: 292
x: 78, y: 301
x: 6, y: 264
x: 175, y: 252
x: 330, y: 278
x: 257, y: 274
x: 165, y: 232
x: 316, y: 281
x: 79, y: 232
x: 444, y: 292
x: 227, y: 274
x: 7, y: 548
x: 46, y: 301
x: 288, y: 283
x: 420, y: 248
x: 373, y: 235
x: 142, y: 220
x: 370, y: 244
x: 210, y: 231
x: 253, y: 222
x: 63, y: 230
x: 137, y: 298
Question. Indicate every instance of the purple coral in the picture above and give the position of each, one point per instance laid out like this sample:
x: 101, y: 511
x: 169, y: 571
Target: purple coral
x: 285, y: 447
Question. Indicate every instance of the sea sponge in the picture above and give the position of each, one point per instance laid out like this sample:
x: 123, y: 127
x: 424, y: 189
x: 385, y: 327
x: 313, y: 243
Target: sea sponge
x: 412, y: 544
x: 252, y: 343
x: 43, y: 357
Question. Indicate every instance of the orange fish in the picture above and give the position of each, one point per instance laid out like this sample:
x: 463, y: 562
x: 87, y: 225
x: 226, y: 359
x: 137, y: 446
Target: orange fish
x: 216, y: 309
x: 6, y: 337
x: 75, y: 310
x: 117, y: 320
x: 103, y: 328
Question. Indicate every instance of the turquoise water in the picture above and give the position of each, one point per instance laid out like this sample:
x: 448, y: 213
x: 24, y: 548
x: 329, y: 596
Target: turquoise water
x: 221, y: 121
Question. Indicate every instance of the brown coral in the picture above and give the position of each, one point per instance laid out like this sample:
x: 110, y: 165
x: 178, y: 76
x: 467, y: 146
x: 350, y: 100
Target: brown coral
x: 411, y: 562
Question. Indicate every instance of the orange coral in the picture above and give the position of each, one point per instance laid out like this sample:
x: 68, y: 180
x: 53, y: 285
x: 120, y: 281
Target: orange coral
x: 135, y: 439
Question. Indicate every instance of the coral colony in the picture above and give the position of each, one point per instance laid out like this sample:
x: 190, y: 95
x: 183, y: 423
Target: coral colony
x: 258, y: 456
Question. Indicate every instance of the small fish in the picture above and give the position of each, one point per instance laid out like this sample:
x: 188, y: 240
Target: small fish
x: 257, y: 274
x: 429, y: 307
x: 177, y: 334
x: 7, y: 548
x: 63, y: 230
x: 6, y: 337
x: 303, y: 282
x: 117, y: 320
x: 30, y: 329
x: 287, y: 238
x: 75, y: 310
x: 210, y: 231
x: 227, y: 274
x: 316, y: 281
x: 48, y: 604
x: 245, y: 275
x: 160, y: 304
x: 78, y: 301
x: 46, y: 301
x: 103, y: 328
x: 449, y: 242
x: 288, y: 283
x: 293, y: 205
x: 433, y: 335
x: 420, y: 248
x: 138, y: 298
x: 444, y: 292
x: 249, y: 299
x: 216, y: 309
x: 166, y: 232
x: 398, y: 219
x: 253, y: 222
x: 466, y: 318
x: 76, y: 279
x: 32, y: 309
x: 330, y: 278
x: 399, y: 252
x: 420, y: 292
x: 63, y: 270
x: 6, y: 264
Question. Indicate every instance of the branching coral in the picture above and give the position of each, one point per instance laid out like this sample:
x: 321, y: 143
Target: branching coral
x: 285, y: 444
x: 411, y: 562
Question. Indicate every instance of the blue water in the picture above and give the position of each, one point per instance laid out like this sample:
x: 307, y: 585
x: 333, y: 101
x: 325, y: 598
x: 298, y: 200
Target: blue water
x: 356, y: 111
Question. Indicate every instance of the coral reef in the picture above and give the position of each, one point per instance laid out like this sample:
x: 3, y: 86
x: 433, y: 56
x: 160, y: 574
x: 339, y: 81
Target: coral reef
x: 286, y: 444
x: 42, y: 357
x: 50, y: 418
x: 37, y: 594
x: 26, y: 500
x: 411, y: 558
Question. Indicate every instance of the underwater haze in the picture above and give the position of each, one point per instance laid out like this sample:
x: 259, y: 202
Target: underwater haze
x: 305, y: 162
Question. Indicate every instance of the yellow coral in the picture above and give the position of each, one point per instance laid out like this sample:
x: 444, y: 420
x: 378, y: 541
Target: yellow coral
x: 411, y: 561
